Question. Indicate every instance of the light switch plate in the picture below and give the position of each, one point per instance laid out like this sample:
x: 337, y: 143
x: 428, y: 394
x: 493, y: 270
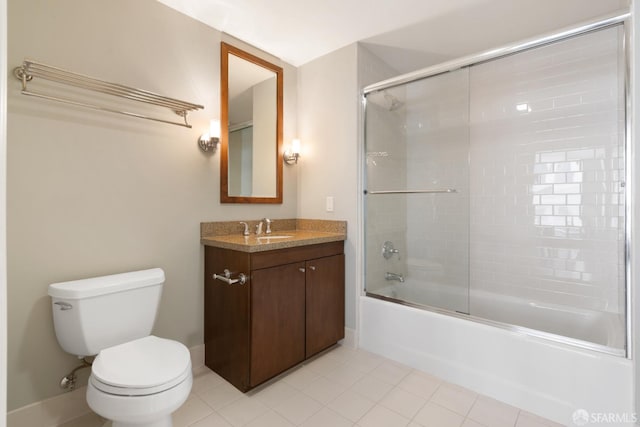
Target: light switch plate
x: 329, y: 204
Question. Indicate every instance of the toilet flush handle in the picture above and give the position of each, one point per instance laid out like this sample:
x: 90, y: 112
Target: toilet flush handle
x: 64, y: 305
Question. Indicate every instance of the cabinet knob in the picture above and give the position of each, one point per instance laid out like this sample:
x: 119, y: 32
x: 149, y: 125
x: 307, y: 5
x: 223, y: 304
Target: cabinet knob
x: 312, y: 267
x: 302, y: 269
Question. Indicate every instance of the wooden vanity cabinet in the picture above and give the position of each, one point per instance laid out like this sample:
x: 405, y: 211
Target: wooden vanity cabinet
x: 290, y: 308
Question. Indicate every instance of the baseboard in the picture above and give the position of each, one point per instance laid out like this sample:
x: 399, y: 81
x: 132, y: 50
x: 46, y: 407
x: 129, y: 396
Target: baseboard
x: 68, y: 406
x: 51, y: 412
x: 197, y: 356
x: 350, y: 338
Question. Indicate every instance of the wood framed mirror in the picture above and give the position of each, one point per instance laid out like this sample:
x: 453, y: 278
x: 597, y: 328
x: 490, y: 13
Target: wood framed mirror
x: 251, y: 96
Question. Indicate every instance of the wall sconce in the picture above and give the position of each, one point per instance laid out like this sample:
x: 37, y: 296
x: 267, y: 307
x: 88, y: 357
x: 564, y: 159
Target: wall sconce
x: 292, y: 153
x: 209, y: 140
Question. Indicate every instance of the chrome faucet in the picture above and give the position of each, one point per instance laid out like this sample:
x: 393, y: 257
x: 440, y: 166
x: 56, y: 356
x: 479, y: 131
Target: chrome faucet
x: 268, y: 222
x: 259, y: 228
x: 394, y: 276
x: 246, y: 228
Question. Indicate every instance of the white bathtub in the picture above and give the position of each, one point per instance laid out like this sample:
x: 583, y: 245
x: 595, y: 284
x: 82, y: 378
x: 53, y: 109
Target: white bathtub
x: 606, y: 330
x: 545, y: 377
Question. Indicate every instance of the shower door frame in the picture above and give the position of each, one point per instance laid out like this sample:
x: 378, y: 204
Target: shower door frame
x: 611, y: 20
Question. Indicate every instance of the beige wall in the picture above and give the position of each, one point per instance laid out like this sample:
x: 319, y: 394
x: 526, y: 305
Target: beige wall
x: 92, y: 193
x: 328, y: 125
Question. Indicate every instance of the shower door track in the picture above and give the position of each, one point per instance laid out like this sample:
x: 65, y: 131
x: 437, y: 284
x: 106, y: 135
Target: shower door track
x: 610, y: 20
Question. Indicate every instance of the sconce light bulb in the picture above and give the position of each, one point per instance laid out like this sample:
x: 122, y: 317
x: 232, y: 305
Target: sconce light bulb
x: 214, y: 129
x: 295, y: 146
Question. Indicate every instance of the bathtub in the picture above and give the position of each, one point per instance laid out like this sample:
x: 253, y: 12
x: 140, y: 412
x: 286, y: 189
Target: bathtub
x: 543, y: 376
x: 551, y: 321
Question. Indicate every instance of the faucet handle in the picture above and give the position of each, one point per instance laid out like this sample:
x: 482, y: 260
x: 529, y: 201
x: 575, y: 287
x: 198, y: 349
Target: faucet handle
x: 246, y: 228
x: 268, y: 222
x: 259, y: 228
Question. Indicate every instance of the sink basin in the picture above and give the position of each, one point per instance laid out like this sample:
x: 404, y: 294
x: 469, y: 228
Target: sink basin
x: 277, y: 237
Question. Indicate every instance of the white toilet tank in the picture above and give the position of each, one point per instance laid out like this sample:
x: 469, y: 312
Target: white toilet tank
x: 100, y: 312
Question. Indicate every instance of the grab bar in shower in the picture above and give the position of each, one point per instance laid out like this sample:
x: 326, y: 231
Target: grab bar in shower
x: 442, y: 190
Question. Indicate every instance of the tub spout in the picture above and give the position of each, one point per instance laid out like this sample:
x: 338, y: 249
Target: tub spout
x: 394, y: 276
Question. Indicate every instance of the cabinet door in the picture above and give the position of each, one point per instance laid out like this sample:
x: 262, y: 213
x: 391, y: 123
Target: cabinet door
x: 277, y: 320
x: 226, y: 317
x: 324, y: 303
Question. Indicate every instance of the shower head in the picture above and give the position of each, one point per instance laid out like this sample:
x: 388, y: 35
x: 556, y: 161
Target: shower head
x: 393, y: 102
x: 385, y: 100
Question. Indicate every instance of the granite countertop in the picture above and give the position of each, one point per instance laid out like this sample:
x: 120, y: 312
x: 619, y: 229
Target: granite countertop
x: 299, y: 232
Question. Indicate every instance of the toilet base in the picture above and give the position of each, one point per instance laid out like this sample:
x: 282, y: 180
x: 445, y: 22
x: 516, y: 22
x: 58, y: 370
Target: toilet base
x: 139, y: 411
x: 165, y: 422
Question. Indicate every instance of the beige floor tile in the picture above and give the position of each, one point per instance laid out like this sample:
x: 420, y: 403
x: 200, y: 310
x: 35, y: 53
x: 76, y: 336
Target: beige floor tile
x: 192, y: 410
x: 220, y: 395
x: 432, y: 415
x: 206, y: 380
x: 527, y: 419
x: 342, y: 353
x: 351, y: 405
x: 420, y: 384
x: 298, y: 408
x: 87, y: 420
x: 405, y: 403
x: 270, y: 419
x: 323, y: 365
x: 301, y: 378
x: 242, y: 411
x: 470, y: 423
x: 458, y: 399
x: 365, y: 361
x: 326, y: 418
x: 324, y: 390
x: 390, y: 372
x: 379, y: 416
x: 345, y: 373
x: 274, y: 394
x: 213, y: 420
x: 493, y: 413
x: 372, y: 388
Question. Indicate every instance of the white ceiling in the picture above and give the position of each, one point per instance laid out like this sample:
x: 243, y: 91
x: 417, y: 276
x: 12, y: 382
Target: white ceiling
x: 408, y: 33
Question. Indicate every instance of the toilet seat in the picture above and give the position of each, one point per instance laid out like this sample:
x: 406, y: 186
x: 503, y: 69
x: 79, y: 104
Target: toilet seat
x: 144, y: 366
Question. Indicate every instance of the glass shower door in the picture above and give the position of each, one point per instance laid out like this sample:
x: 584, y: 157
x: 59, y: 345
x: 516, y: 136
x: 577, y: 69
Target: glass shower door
x: 417, y: 192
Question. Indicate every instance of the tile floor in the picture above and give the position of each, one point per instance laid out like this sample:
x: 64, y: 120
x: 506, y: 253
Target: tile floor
x: 342, y: 387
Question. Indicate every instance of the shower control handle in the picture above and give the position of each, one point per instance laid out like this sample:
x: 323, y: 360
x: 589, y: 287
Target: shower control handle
x: 388, y: 250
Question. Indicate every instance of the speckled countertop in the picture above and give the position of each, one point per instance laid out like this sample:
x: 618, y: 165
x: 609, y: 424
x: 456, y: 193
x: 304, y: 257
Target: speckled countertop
x: 301, y: 232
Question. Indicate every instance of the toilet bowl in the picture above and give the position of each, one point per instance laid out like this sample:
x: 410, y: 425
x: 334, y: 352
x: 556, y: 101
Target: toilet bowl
x: 140, y: 383
x: 137, y: 379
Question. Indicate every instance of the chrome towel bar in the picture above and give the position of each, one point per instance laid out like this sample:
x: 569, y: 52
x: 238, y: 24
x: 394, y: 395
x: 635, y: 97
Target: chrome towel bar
x: 30, y: 69
x: 226, y: 277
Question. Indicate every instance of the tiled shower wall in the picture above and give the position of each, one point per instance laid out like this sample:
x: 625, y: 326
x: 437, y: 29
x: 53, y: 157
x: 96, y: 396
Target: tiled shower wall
x: 547, y: 170
x: 534, y: 145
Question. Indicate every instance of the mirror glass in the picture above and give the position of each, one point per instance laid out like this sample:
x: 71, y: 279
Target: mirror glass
x: 251, y: 128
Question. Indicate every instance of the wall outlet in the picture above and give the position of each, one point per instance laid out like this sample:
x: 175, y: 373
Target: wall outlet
x: 329, y: 204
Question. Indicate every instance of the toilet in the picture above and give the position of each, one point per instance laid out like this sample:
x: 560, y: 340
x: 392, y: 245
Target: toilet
x: 137, y: 379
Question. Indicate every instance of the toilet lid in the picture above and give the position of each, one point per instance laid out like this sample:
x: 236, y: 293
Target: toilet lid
x: 143, y: 364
